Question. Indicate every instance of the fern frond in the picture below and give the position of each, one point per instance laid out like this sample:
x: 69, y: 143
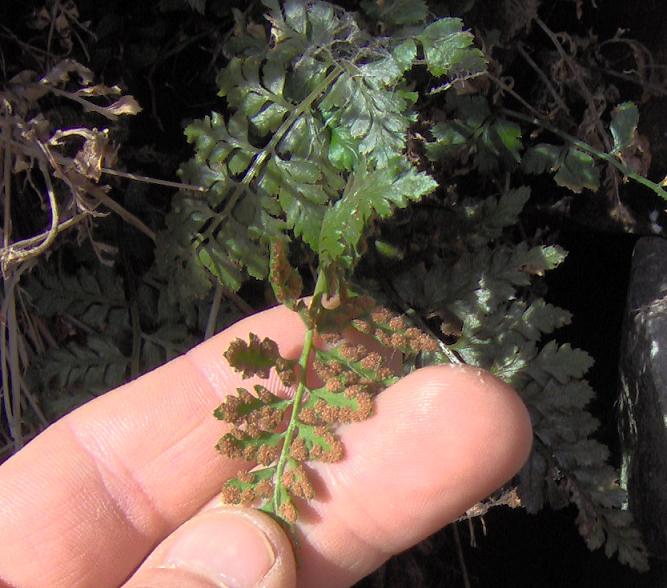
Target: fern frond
x: 351, y: 376
x: 97, y: 366
x: 282, y: 435
x: 572, y: 168
x: 95, y: 298
x: 474, y: 130
x: 503, y: 334
x: 318, y: 115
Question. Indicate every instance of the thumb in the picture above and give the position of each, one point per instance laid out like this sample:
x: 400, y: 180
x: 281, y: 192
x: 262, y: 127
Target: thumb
x: 230, y: 547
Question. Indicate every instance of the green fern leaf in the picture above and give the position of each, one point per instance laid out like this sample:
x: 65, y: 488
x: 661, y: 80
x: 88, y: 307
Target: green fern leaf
x: 299, y: 186
x: 539, y: 318
x: 577, y: 170
x: 475, y: 129
x: 573, y: 168
x: 560, y: 362
x: 375, y: 115
x: 95, y: 367
x: 396, y: 12
x: 256, y: 89
x: 325, y: 99
x: 623, y: 127
x: 367, y: 195
x: 448, y: 49
x: 95, y: 298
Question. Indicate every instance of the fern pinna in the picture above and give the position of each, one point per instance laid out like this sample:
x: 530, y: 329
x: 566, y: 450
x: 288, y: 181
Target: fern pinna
x: 309, y: 156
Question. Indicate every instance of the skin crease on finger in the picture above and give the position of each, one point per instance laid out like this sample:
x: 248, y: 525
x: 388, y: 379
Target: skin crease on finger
x: 440, y: 440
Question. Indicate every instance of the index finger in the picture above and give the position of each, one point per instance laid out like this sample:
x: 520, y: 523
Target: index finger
x: 87, y: 500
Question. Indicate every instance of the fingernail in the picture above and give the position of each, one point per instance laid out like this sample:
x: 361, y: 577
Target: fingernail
x: 224, y: 548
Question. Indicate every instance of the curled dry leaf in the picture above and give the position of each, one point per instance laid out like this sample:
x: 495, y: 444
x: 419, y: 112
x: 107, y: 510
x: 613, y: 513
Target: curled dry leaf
x: 125, y: 105
x: 60, y: 73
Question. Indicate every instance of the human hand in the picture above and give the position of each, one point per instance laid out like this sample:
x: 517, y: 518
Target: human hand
x: 123, y: 490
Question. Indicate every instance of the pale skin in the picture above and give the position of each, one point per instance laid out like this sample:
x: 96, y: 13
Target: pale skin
x: 124, y: 490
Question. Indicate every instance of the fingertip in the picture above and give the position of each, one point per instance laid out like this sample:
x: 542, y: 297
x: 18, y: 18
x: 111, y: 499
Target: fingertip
x: 491, y: 417
x: 221, y: 547
x: 466, y: 422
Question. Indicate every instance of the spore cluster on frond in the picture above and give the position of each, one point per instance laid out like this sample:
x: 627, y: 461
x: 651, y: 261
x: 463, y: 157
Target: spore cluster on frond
x: 281, y: 434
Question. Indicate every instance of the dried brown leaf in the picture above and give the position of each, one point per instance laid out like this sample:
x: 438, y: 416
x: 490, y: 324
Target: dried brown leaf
x: 99, y: 90
x: 60, y: 73
x: 125, y: 105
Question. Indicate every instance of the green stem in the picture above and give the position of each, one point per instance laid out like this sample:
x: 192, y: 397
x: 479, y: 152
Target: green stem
x: 213, y: 313
x: 608, y: 157
x: 149, y: 180
x: 304, y: 360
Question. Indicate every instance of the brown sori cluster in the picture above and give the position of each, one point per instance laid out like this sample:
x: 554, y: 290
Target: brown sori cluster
x: 286, y: 372
x: 393, y: 331
x: 288, y: 512
x: 258, y: 412
x: 350, y: 370
x: 356, y: 364
x: 296, y: 481
x: 351, y: 374
x: 324, y: 413
x: 253, y: 358
x: 232, y: 494
x: 300, y: 451
x: 257, y: 416
x: 235, y: 444
x: 285, y: 280
x: 256, y: 358
x: 345, y: 414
